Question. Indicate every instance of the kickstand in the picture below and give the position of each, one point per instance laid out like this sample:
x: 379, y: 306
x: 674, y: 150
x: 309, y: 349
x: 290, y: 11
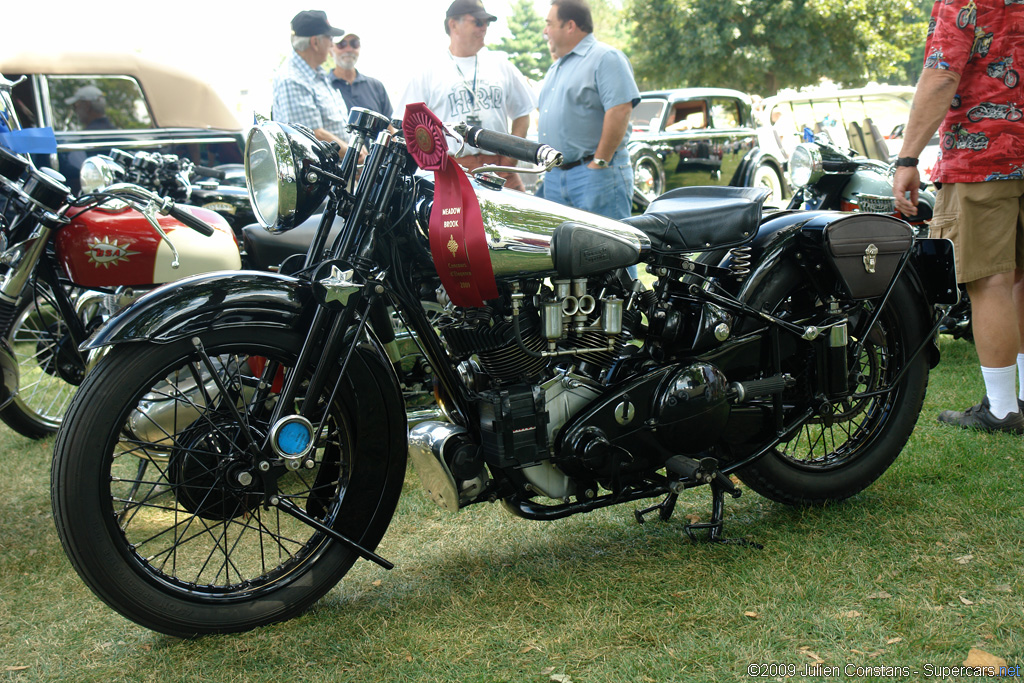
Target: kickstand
x: 714, y: 527
x: 664, y: 509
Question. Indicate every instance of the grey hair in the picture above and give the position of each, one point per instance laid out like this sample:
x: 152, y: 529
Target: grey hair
x: 300, y: 43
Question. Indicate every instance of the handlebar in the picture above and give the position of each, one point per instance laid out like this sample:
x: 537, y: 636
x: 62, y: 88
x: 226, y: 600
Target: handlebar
x: 510, y: 146
x: 164, y: 205
x: 206, y: 171
x: 194, y: 222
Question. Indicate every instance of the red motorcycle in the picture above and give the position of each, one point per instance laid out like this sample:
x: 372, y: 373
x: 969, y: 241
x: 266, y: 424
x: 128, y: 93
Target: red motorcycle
x: 67, y: 263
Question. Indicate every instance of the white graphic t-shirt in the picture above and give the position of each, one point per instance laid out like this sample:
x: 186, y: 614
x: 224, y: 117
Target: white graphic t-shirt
x: 484, y: 90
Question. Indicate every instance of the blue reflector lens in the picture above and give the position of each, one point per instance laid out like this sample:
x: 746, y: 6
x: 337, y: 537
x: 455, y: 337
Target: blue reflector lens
x: 293, y: 438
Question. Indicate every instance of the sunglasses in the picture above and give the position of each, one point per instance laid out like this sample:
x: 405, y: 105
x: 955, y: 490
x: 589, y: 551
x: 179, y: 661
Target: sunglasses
x: 479, y: 22
x: 342, y: 44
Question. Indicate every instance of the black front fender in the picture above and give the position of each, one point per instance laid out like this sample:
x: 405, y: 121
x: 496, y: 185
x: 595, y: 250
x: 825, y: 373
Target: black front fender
x: 204, y: 302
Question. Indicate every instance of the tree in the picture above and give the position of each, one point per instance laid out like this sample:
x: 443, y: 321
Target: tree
x: 610, y: 23
x: 526, y: 48
x: 766, y: 45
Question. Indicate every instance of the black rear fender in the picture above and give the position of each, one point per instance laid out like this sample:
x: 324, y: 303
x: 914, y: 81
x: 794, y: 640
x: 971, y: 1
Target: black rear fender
x: 796, y: 238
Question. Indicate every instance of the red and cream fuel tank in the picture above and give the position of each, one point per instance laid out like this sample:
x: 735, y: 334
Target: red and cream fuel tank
x: 113, y: 247
x: 527, y: 235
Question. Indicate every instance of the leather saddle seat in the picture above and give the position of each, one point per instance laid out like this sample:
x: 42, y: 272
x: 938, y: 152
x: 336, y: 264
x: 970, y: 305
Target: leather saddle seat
x: 690, y: 219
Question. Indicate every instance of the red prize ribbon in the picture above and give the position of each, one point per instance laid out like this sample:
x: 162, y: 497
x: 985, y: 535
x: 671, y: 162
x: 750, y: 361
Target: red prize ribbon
x: 458, y: 243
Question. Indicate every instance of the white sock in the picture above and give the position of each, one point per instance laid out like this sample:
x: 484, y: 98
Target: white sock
x: 1020, y: 375
x: 1000, y: 389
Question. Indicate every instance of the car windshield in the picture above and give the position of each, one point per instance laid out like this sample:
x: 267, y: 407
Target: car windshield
x: 646, y: 114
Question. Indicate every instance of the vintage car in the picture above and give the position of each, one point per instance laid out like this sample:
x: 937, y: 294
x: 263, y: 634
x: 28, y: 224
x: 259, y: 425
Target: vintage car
x: 96, y: 102
x: 869, y: 121
x: 699, y: 136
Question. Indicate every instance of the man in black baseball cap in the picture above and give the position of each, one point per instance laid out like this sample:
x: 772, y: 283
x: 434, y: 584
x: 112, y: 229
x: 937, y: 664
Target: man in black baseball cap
x: 302, y: 90
x: 468, y: 82
x: 313, y: 22
x: 475, y: 8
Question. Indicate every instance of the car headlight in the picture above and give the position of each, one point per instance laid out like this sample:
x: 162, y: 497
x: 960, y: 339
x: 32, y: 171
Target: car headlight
x: 283, y: 190
x: 99, y: 172
x: 805, y: 165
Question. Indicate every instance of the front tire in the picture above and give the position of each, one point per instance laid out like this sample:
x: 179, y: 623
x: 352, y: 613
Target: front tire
x: 832, y: 457
x: 160, y: 503
x: 49, y: 367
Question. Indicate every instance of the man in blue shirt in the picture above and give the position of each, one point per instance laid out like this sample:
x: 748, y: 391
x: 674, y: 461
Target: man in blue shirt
x: 586, y: 100
x: 302, y: 93
x: 359, y: 90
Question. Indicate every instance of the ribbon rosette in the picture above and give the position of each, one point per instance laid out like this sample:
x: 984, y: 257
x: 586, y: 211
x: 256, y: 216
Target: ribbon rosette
x: 458, y: 243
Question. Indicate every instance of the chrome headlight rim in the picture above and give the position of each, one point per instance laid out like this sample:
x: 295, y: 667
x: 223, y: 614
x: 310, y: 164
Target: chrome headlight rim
x: 99, y: 172
x: 805, y: 165
x: 282, y: 190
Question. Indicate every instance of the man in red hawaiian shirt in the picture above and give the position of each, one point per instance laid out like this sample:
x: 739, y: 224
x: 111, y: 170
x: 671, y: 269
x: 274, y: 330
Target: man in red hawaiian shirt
x: 971, y: 87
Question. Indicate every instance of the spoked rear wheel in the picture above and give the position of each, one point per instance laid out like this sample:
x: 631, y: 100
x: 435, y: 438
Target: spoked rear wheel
x: 161, y: 502
x: 839, y: 452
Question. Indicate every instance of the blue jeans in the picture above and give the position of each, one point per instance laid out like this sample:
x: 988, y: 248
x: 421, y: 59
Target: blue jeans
x: 604, y: 191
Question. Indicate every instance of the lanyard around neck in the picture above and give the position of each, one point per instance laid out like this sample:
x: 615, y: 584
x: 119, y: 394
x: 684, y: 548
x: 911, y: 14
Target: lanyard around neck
x: 476, y: 70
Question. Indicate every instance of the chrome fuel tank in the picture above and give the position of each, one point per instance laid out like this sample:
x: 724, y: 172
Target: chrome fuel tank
x: 519, y: 227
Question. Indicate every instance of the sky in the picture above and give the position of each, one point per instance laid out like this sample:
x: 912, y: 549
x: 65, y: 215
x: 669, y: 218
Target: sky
x: 236, y: 46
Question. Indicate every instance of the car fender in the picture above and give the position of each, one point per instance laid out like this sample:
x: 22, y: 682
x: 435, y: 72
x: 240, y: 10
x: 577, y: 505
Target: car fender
x: 752, y: 160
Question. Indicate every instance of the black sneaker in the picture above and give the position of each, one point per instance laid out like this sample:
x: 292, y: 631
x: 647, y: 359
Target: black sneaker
x: 980, y: 417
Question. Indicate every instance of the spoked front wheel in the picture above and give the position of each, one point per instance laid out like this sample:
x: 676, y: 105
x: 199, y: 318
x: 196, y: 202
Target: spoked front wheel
x: 848, y: 444
x: 164, y: 496
x: 49, y: 366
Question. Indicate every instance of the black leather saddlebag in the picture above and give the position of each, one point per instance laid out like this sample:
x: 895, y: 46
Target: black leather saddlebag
x: 865, y: 251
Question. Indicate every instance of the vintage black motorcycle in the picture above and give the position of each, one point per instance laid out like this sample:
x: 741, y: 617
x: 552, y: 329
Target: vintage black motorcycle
x: 243, y: 442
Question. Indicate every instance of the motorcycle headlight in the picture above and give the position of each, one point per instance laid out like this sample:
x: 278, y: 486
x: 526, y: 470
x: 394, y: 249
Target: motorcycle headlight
x: 99, y: 172
x: 283, y: 188
x: 805, y: 165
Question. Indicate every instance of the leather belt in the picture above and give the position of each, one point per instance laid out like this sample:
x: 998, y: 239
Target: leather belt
x: 574, y: 164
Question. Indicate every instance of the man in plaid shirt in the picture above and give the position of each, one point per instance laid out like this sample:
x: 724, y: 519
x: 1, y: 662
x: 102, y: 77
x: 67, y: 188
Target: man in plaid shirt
x: 302, y: 89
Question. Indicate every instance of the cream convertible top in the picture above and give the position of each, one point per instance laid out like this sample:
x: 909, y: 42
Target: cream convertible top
x: 177, y: 99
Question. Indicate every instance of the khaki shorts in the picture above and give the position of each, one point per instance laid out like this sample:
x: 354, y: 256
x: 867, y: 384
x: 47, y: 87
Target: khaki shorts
x: 985, y: 222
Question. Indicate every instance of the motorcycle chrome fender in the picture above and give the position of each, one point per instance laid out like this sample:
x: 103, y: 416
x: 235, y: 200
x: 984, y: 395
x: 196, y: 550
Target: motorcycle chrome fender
x: 520, y: 229
x: 204, y: 302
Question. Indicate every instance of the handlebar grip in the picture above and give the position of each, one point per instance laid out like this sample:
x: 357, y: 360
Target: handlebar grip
x: 512, y: 146
x: 194, y: 222
x: 210, y: 172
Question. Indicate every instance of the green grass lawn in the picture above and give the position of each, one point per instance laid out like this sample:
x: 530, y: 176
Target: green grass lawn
x: 914, y: 572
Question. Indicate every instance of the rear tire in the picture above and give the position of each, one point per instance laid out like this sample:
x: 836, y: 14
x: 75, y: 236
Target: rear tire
x: 829, y: 462
x: 160, y: 504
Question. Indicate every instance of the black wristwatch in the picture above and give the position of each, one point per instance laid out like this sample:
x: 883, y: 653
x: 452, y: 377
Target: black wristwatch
x: 906, y: 161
